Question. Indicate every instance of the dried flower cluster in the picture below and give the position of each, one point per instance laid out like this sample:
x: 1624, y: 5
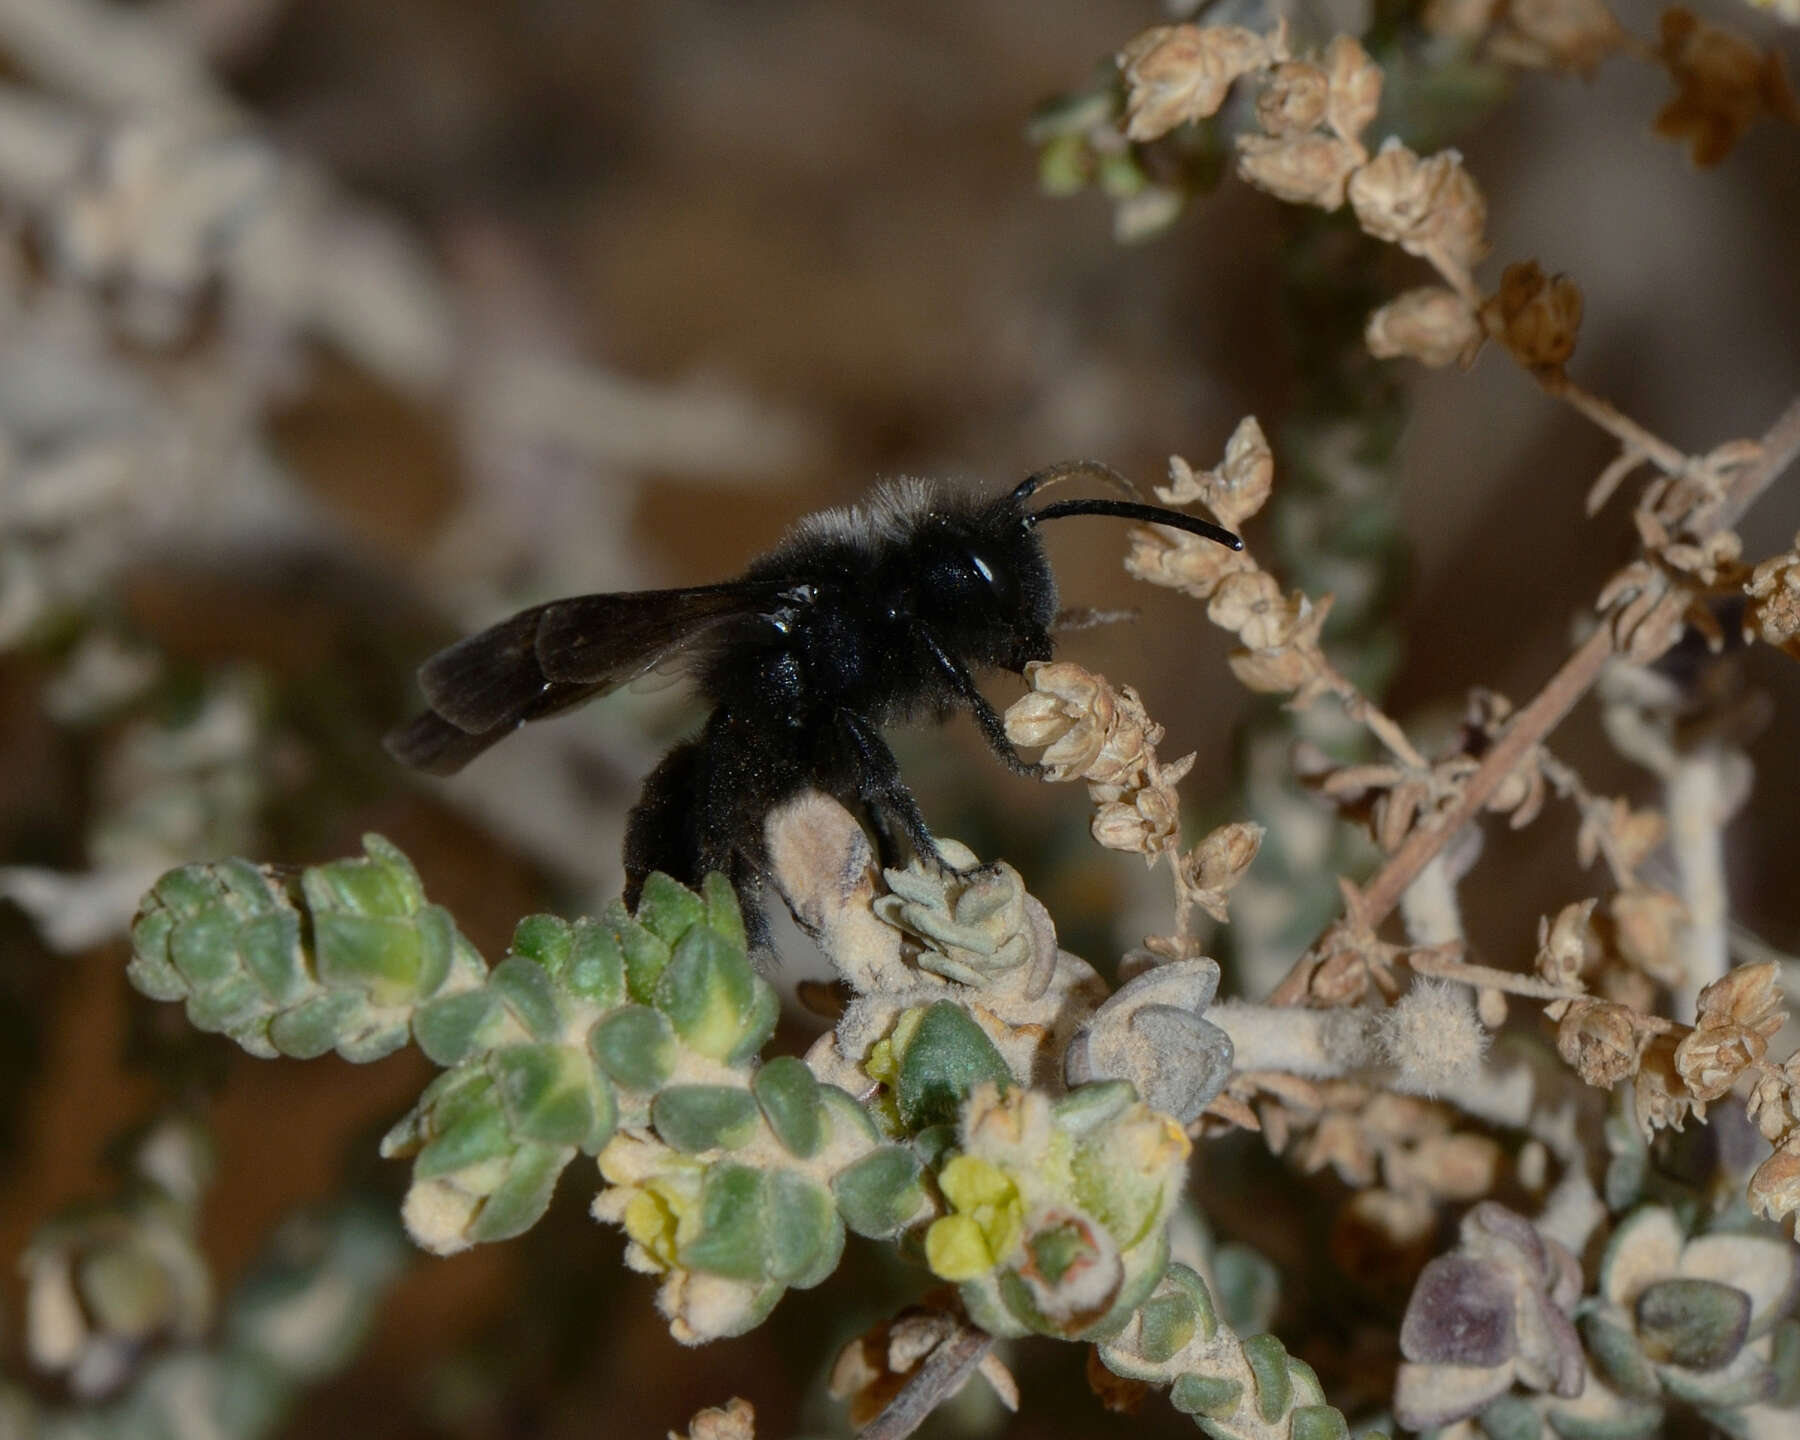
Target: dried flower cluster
x: 1279, y: 651
x: 1532, y: 34
x: 1602, y: 965
x: 1090, y: 731
x: 1310, y: 151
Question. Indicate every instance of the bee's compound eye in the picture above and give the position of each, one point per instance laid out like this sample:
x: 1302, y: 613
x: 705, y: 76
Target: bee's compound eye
x: 996, y: 576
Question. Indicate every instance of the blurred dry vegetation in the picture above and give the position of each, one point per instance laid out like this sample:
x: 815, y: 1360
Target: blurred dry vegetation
x: 663, y: 277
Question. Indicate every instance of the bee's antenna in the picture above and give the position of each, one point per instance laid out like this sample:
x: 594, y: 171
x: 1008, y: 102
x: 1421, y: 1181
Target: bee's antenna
x: 1150, y: 514
x: 1074, y: 470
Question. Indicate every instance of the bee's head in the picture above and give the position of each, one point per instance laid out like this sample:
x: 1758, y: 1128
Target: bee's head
x: 987, y: 589
x: 990, y: 591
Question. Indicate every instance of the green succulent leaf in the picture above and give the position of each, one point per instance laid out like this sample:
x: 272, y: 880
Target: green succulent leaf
x: 1317, y: 1422
x: 1267, y: 1358
x: 451, y: 1028
x: 1213, y: 1395
x: 521, y: 1199
x: 553, y: 1096
x: 804, y: 1232
x: 1169, y: 1324
x: 529, y: 994
x: 668, y: 909
x: 707, y: 991
x: 596, y: 970
x: 693, y: 1118
x: 721, y: 910
x: 1614, y: 1348
x: 947, y: 1056
x: 1784, y: 1361
x: 644, y: 954
x: 1092, y: 1107
x: 635, y: 1045
x: 314, y: 1027
x: 1698, y: 1324
x: 734, y: 1223
x: 1511, y: 1417
x: 789, y: 1096
x: 880, y: 1193
x: 758, y: 1023
x: 545, y: 941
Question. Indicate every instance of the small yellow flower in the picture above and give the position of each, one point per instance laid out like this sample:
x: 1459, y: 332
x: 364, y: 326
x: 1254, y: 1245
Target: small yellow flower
x: 986, y: 1223
x: 651, y: 1220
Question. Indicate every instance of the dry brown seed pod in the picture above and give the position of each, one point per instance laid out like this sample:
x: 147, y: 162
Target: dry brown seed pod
x: 1535, y: 316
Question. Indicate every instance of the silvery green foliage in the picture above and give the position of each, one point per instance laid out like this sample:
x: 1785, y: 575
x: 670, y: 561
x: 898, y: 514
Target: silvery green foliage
x: 1152, y: 1033
x: 636, y: 1038
x: 338, y: 959
x: 1233, y: 1388
x: 1701, y: 1320
x: 1492, y: 1313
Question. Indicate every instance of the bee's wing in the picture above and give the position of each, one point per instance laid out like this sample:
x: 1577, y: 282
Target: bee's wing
x: 554, y: 656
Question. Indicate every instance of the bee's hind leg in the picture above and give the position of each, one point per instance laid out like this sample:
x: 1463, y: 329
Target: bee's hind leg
x: 661, y: 830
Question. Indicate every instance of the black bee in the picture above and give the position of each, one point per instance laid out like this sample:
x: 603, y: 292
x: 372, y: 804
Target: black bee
x: 860, y: 618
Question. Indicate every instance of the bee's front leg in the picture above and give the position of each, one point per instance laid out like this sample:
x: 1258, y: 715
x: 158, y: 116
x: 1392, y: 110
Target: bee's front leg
x: 956, y: 675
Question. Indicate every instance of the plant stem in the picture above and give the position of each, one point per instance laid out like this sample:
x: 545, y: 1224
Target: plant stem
x: 943, y: 1373
x: 1780, y: 446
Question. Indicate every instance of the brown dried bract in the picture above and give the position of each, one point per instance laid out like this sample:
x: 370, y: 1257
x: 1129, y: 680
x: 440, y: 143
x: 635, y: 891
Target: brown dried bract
x: 1292, y: 100
x: 1602, y: 1041
x: 1535, y: 316
x: 1775, y: 1187
x: 1567, y: 947
x: 1646, y: 612
x: 1660, y: 1097
x: 734, y: 1420
x: 1218, y: 862
x: 1088, y: 730
x: 1774, y: 1105
x: 1723, y: 86
x: 1354, y: 93
x: 1644, y: 924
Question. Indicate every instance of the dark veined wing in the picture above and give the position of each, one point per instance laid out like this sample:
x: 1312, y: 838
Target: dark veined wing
x: 555, y: 656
